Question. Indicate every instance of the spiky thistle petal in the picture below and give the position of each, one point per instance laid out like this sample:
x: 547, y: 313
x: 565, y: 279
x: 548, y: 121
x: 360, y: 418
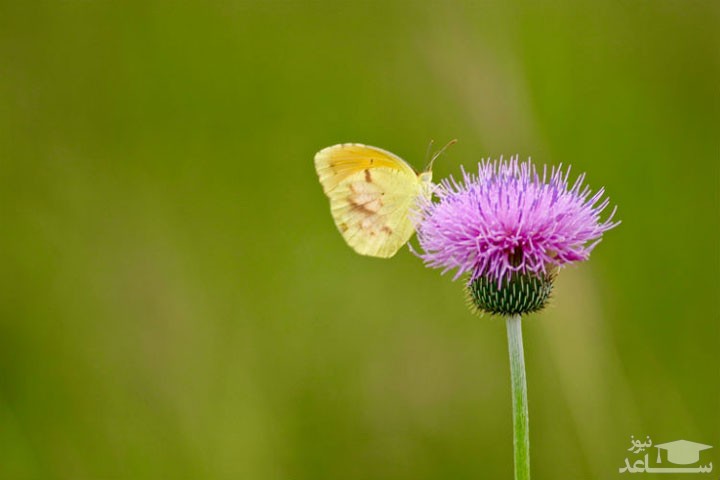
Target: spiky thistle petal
x: 509, y: 219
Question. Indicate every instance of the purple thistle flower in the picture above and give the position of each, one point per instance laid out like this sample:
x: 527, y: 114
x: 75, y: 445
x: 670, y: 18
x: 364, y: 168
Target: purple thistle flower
x: 509, y: 219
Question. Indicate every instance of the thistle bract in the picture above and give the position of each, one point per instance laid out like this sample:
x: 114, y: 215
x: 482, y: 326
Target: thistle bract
x: 522, y: 294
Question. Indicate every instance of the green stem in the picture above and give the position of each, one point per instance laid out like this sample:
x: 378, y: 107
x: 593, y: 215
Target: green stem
x: 521, y: 425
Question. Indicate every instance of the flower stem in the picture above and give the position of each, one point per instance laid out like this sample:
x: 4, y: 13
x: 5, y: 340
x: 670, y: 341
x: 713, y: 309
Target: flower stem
x: 521, y: 425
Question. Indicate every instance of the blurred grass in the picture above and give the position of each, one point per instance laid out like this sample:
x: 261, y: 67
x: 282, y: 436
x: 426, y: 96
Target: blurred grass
x: 175, y: 301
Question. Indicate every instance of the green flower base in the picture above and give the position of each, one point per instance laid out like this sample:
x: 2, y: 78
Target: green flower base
x: 524, y: 293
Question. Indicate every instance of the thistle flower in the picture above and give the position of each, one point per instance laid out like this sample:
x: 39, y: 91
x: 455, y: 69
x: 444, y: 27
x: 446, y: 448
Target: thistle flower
x: 510, y: 228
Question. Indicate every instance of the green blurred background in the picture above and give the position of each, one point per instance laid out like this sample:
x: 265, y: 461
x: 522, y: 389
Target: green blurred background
x: 175, y: 301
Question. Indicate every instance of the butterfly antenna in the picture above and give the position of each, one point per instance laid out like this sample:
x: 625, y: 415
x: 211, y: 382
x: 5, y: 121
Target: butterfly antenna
x: 438, y: 153
x: 429, y: 150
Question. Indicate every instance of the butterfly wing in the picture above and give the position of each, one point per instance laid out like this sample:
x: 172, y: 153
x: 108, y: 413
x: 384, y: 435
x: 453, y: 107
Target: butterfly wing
x: 371, y: 192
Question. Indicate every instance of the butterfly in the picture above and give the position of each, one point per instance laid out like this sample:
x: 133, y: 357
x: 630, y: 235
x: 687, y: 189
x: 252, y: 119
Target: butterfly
x: 372, y: 192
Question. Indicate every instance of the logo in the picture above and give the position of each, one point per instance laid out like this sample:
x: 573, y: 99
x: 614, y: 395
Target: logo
x: 679, y: 452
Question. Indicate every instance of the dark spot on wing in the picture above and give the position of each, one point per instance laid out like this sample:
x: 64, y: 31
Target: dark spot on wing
x: 387, y: 229
x: 368, y: 177
x: 369, y: 207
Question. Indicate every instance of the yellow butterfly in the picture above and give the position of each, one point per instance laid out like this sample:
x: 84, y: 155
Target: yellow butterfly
x: 371, y: 192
